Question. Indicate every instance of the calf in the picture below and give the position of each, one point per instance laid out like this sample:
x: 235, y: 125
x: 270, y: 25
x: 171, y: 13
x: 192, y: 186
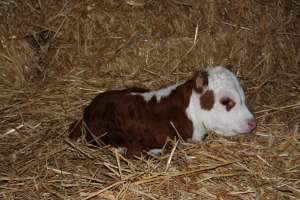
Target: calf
x: 139, y: 119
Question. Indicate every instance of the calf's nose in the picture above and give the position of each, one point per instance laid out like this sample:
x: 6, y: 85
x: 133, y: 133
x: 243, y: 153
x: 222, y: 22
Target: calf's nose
x: 251, y: 124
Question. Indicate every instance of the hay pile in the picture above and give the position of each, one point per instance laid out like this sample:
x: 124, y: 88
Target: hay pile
x: 55, y: 56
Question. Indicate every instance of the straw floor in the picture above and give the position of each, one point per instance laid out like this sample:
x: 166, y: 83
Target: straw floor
x: 55, y: 56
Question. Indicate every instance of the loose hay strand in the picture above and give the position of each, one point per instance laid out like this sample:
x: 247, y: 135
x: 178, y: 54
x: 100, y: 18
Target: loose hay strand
x: 103, y: 190
x: 171, y: 156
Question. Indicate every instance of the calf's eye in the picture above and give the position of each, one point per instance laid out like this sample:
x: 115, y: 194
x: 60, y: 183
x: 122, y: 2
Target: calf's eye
x: 227, y: 102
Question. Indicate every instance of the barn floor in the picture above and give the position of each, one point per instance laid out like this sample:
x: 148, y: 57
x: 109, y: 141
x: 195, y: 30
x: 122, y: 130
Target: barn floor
x: 55, y: 56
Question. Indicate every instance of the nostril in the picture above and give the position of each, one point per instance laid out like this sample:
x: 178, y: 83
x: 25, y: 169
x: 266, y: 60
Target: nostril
x: 252, y: 123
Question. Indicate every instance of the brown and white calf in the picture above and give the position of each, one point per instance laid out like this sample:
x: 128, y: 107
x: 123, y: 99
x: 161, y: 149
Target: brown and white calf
x: 139, y: 119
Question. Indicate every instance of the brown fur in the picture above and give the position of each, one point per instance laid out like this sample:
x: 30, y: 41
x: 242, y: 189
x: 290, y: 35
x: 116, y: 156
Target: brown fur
x: 207, y: 100
x: 129, y: 121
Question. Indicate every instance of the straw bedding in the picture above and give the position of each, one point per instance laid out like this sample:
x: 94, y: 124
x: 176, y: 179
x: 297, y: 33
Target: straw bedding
x: 55, y: 56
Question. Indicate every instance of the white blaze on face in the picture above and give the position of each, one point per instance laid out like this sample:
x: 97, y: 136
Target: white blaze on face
x: 229, y: 115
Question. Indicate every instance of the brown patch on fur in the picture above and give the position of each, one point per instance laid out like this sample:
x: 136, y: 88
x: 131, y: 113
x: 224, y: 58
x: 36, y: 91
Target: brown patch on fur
x: 207, y: 100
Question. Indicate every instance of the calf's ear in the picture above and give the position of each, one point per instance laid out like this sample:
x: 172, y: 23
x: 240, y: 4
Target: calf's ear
x: 200, y: 81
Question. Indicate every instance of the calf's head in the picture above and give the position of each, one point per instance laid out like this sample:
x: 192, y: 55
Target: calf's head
x: 222, y: 104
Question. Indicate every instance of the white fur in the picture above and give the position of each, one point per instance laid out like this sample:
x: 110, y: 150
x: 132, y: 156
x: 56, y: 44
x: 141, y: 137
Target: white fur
x: 122, y: 150
x: 155, y: 152
x: 223, y: 83
x: 158, y: 94
x: 192, y: 112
